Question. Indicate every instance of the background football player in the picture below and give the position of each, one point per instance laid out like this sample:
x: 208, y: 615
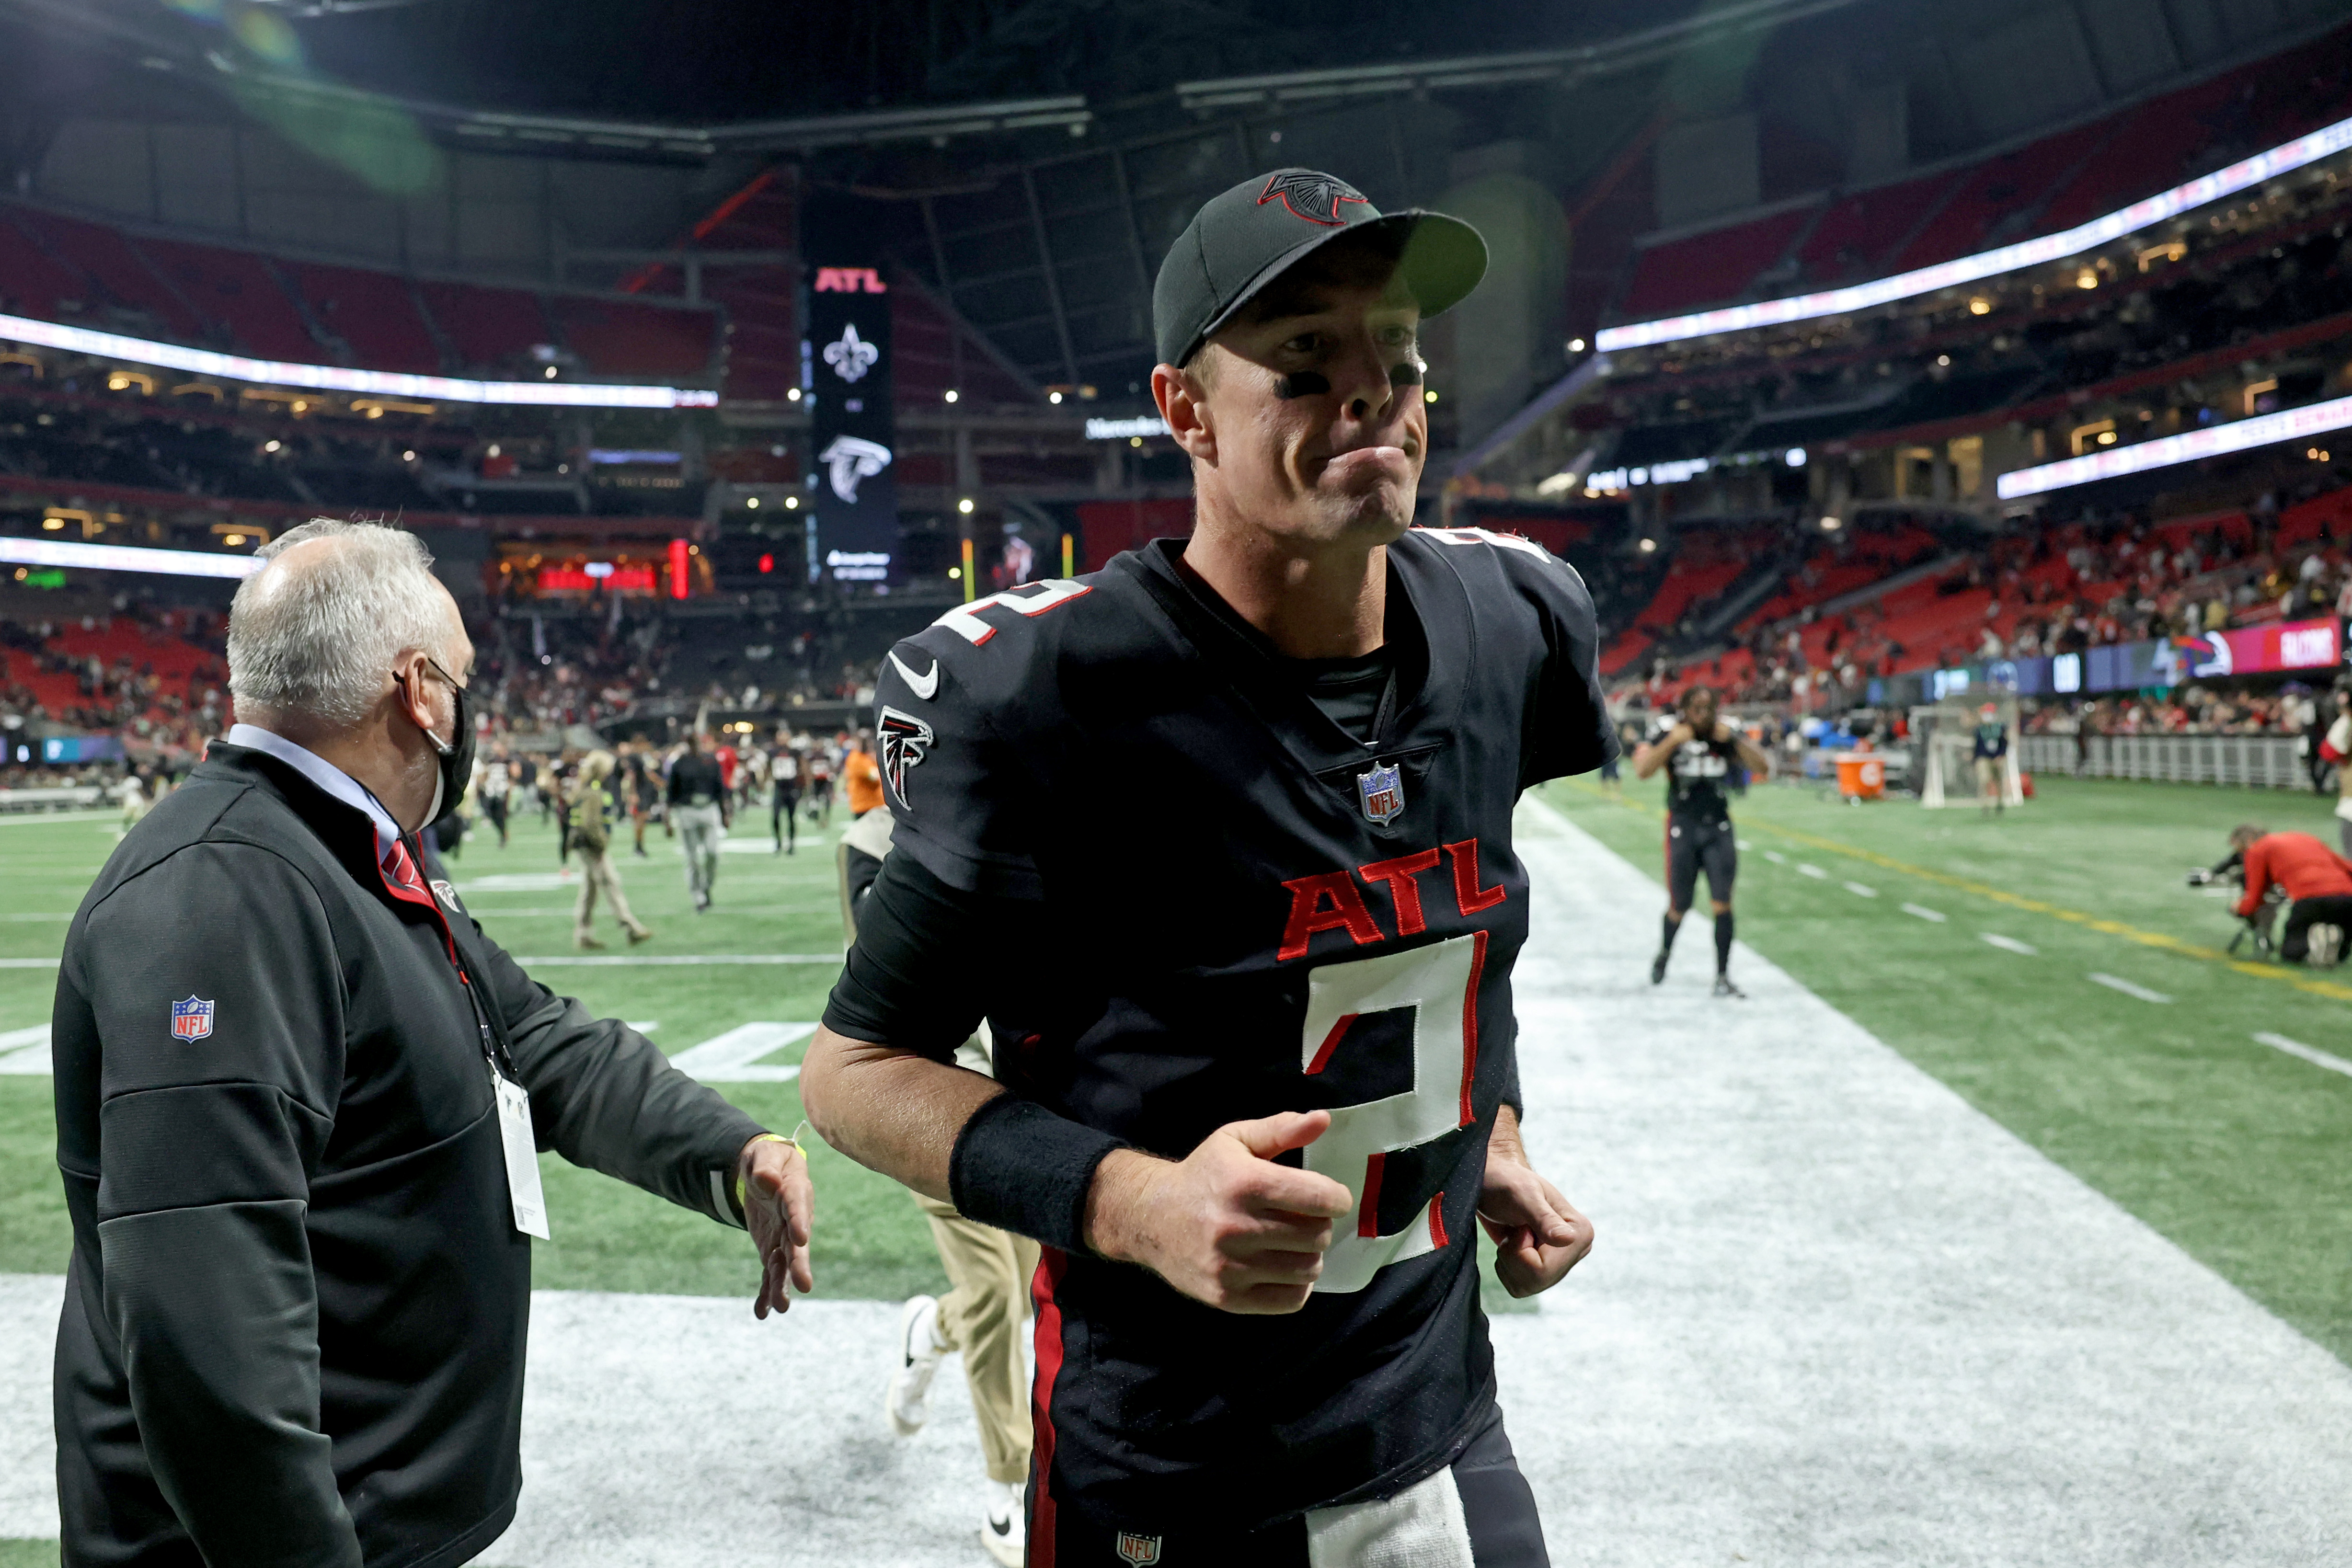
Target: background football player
x: 1222, y: 836
x: 1700, y: 755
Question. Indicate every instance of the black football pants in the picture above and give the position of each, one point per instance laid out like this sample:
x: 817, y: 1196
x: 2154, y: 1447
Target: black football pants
x: 2334, y: 909
x: 1693, y: 845
x: 1498, y: 1505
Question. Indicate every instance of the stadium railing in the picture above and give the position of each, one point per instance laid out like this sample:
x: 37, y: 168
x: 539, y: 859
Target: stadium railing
x: 2263, y: 761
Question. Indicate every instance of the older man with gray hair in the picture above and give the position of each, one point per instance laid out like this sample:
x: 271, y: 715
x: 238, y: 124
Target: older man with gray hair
x: 299, y: 1100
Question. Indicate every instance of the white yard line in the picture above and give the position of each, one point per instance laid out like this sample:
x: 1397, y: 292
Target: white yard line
x: 2009, y: 944
x: 2310, y: 1053
x: 1922, y: 912
x: 29, y: 963
x: 2115, y: 983
x: 1813, y: 871
x: 1775, y: 856
x: 1861, y: 890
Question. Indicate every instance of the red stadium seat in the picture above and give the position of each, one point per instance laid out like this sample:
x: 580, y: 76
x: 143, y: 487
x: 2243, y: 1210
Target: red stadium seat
x: 373, y: 312
x: 237, y: 290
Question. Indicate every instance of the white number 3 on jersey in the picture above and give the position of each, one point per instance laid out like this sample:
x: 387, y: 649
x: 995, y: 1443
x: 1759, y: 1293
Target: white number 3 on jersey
x: 1440, y: 983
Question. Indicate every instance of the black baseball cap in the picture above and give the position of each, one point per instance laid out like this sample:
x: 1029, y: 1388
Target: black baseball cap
x: 1241, y: 241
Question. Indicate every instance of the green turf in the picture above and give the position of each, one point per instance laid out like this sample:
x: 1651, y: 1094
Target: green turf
x: 28, y: 1554
x: 2233, y: 1150
x: 871, y: 1241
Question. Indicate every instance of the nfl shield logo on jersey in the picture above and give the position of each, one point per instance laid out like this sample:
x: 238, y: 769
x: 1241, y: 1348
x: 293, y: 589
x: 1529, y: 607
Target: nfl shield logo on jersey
x: 1383, y: 792
x: 1139, y: 1550
x: 192, y: 1019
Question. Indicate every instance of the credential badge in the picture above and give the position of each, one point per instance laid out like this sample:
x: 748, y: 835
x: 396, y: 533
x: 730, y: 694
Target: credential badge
x: 1139, y: 1550
x: 192, y: 1019
x: 1383, y: 792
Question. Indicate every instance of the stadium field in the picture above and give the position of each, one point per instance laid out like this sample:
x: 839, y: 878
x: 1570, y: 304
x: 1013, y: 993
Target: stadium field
x: 2107, y: 1028
x: 1836, y: 1316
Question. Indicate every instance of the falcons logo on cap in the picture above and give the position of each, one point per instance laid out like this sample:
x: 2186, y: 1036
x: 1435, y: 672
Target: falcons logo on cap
x: 1313, y: 197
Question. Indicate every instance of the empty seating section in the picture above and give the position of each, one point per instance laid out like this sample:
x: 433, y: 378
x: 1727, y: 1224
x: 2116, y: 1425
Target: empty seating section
x: 2010, y: 186
x: 1854, y: 237
x: 32, y: 284
x: 2051, y: 184
x: 373, y: 313
x: 105, y: 256
x: 618, y: 339
x: 489, y: 329
x: 1712, y: 268
x: 59, y: 269
x: 1687, y: 586
x: 235, y: 288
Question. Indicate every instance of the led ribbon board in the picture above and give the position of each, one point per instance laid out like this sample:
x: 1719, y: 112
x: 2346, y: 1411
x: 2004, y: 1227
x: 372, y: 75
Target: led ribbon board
x: 119, y: 557
x: 1845, y: 301
x: 2186, y: 447
x: 336, y: 378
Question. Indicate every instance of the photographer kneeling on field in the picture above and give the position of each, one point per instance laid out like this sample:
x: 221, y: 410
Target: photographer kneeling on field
x: 2316, y: 878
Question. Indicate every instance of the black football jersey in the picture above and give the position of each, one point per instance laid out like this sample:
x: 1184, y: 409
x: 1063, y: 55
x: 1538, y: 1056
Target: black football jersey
x: 1243, y: 909
x: 1699, y: 777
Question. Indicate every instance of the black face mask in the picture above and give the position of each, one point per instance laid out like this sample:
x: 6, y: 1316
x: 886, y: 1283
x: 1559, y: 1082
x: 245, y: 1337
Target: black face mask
x: 458, y: 758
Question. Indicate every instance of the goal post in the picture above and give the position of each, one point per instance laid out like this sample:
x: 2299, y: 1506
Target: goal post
x: 1947, y: 733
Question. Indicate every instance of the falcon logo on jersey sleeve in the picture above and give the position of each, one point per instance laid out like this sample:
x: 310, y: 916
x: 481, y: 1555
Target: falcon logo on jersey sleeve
x: 192, y: 1019
x: 906, y: 741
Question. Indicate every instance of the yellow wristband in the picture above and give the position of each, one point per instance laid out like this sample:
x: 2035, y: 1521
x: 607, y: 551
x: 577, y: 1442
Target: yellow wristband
x: 765, y: 1138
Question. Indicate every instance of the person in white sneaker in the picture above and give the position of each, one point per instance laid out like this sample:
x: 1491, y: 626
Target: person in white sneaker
x: 989, y: 1272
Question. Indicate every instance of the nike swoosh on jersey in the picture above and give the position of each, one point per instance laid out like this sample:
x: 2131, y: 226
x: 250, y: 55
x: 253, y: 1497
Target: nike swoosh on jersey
x: 923, y: 686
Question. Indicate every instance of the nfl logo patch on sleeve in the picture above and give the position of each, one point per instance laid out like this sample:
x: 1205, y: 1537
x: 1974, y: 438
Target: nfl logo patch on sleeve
x: 192, y: 1019
x: 1139, y: 1550
x: 1383, y: 792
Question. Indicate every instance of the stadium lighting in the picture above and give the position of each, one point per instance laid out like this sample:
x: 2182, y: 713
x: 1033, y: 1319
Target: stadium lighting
x: 792, y: 503
x: 2304, y: 150
x: 1831, y: 525
x: 1648, y: 546
x: 336, y: 378
x: 119, y: 557
x: 1576, y: 345
x: 794, y: 394
x: 751, y: 503
x: 1054, y: 397
x: 950, y: 394
x: 2214, y: 440
x: 964, y: 506
x: 1980, y: 306
x: 1794, y: 457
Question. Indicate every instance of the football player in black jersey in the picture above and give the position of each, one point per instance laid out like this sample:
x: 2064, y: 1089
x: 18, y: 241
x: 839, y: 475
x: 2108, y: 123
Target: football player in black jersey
x: 1220, y: 839
x: 1700, y: 755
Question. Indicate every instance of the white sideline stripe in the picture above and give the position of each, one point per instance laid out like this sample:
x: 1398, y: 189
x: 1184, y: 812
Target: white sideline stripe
x: 2115, y: 983
x: 1861, y: 890
x: 51, y: 914
x: 2009, y: 944
x: 2310, y: 1053
x: 1923, y: 912
x: 667, y: 960
x: 29, y: 963
x: 734, y: 1057
x: 19, y: 818
x: 1813, y: 871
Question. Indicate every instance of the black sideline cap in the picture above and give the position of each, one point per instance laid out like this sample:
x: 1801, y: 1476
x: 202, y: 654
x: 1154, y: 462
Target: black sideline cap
x: 1241, y: 241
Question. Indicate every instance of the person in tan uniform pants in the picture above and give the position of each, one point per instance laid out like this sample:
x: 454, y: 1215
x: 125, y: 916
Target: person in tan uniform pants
x: 592, y: 835
x: 988, y: 1272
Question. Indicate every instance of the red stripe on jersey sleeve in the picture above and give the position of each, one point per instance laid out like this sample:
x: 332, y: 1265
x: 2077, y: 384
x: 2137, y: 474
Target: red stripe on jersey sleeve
x: 1052, y: 1263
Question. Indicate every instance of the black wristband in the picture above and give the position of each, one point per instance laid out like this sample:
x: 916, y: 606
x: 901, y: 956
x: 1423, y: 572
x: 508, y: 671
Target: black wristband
x: 1020, y: 1167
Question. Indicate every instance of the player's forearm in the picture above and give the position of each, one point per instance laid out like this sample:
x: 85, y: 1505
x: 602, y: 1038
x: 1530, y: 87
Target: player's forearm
x: 1504, y: 1142
x: 1648, y: 761
x: 891, y: 1110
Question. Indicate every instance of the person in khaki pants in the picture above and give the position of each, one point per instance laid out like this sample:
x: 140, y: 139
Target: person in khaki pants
x: 987, y: 1271
x: 592, y: 835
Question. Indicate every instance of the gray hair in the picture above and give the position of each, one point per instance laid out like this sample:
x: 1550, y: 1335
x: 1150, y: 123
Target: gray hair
x: 321, y: 640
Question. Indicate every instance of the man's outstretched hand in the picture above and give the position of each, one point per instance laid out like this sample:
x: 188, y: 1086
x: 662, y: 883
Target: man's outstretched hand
x: 1225, y: 1224
x: 779, y: 1208
x: 1539, y: 1235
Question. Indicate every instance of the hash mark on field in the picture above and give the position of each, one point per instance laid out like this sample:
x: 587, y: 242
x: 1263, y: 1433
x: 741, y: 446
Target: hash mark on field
x: 25, y: 1051
x: 2310, y: 1053
x: 2009, y: 944
x: 1813, y: 871
x: 1923, y: 912
x: 1744, y: 845
x: 1861, y: 890
x: 2115, y: 983
x: 1776, y: 857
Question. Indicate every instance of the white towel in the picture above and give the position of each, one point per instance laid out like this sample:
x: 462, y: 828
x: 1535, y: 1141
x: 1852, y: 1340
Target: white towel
x: 1421, y: 1527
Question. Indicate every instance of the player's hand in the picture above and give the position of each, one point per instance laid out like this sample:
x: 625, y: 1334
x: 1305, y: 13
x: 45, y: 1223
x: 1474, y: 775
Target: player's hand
x: 1225, y: 1225
x: 779, y: 1208
x: 1539, y: 1235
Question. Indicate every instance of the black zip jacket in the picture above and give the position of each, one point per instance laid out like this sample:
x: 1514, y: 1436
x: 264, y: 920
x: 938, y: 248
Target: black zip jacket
x: 295, y: 1317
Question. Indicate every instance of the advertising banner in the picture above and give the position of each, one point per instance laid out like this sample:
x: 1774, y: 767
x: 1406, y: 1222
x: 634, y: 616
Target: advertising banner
x: 850, y: 359
x: 2263, y: 650
x: 2278, y: 649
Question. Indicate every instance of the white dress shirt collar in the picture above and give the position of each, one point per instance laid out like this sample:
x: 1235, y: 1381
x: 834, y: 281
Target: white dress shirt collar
x: 325, y: 775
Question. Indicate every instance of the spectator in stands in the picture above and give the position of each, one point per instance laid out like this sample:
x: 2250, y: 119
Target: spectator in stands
x: 300, y: 1336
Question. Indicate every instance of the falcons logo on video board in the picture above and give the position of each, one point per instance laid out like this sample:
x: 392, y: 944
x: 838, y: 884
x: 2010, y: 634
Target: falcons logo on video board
x: 906, y: 741
x: 1313, y: 197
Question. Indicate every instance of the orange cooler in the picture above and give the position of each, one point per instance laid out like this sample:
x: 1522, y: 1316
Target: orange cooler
x: 1862, y: 775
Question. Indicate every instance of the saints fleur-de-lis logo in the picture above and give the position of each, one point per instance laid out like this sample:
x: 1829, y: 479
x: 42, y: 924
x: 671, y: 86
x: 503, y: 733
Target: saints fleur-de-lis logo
x: 853, y: 356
